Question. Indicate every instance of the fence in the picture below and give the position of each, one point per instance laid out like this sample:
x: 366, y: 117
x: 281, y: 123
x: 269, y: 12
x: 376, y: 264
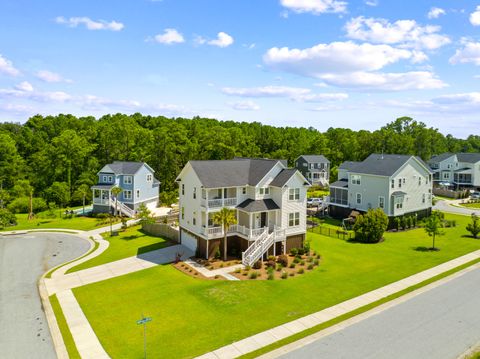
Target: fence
x: 449, y: 193
x: 332, y: 232
x: 162, y: 230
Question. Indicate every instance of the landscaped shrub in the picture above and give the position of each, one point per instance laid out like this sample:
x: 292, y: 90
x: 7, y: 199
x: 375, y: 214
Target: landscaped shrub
x: 404, y: 222
x: 292, y: 265
x: 302, y: 262
x: 301, y: 271
x: 409, y: 221
x: 294, y: 251
x: 253, y: 275
x: 7, y: 218
x: 296, y: 260
x: 316, y: 261
x: 414, y: 220
x: 247, y: 268
x: 283, y: 260
x: 217, y: 254
x: 238, y: 270
x: 279, y: 267
x: 306, y: 245
x: 474, y: 226
x: 369, y: 227
x: 284, y: 275
x: 301, y: 251
x: 271, y: 276
x: 271, y: 258
x: 257, y: 265
x: 292, y: 274
x: 22, y: 205
x: 310, y: 266
x: 271, y: 264
x: 318, y: 256
x: 398, y: 223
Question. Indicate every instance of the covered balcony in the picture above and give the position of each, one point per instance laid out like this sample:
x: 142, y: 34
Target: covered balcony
x: 463, y: 176
x: 219, y: 197
x: 102, y: 194
x: 339, y: 193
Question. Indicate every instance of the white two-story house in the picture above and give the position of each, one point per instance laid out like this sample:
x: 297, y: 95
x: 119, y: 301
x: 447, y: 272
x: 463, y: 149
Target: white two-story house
x: 399, y: 184
x: 456, y: 169
x: 268, y: 198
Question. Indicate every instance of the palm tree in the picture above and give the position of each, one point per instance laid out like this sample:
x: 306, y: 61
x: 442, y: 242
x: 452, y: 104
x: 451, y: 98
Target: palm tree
x: 115, y: 192
x: 82, y: 191
x: 225, y: 218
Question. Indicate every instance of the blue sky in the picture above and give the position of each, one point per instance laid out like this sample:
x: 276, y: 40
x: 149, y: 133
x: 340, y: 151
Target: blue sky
x: 320, y: 63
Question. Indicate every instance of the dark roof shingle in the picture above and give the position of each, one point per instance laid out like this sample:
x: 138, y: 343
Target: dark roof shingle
x: 283, y: 177
x: 383, y: 164
x: 260, y: 205
x: 123, y: 167
x: 315, y: 158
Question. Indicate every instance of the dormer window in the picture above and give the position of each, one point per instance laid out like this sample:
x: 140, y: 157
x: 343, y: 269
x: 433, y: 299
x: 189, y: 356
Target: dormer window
x: 264, y: 190
x: 127, y: 179
x: 294, y: 194
x: 104, y: 178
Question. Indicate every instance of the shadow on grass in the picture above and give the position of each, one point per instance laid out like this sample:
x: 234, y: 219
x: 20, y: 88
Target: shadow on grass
x: 154, y: 246
x: 425, y: 249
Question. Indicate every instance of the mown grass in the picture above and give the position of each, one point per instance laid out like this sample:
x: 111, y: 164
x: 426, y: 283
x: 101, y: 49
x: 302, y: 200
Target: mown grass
x: 131, y: 242
x: 471, y: 205
x: 193, y: 316
x: 62, y: 324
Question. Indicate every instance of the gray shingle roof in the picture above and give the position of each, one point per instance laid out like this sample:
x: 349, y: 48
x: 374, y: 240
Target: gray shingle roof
x: 441, y: 157
x: 399, y: 193
x: 122, y: 167
x: 382, y: 164
x: 315, y: 158
x: 260, y: 205
x: 342, y: 184
x: 468, y: 157
x: 232, y: 173
x: 283, y: 177
x: 348, y: 165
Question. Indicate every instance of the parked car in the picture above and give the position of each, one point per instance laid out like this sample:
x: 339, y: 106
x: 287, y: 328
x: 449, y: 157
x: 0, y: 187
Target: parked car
x: 475, y: 195
x: 314, y: 202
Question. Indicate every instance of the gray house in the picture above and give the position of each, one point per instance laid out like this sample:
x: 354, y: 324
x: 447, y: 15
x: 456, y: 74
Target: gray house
x: 458, y: 169
x: 399, y: 184
x: 315, y: 168
x: 138, y: 184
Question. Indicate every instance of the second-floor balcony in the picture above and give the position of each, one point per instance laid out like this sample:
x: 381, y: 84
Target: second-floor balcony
x: 219, y: 202
x: 250, y: 233
x: 219, y: 197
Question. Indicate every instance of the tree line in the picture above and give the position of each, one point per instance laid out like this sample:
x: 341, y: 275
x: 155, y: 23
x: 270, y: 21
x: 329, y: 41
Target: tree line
x: 57, y: 157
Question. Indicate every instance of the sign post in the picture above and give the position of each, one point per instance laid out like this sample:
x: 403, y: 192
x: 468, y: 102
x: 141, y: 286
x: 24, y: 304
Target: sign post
x: 144, y: 321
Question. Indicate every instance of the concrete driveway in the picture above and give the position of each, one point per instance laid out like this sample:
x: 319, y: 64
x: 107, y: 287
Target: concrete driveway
x: 441, y: 323
x: 446, y: 206
x: 24, y: 331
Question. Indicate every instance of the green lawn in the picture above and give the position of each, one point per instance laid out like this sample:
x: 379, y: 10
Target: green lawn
x: 471, y: 205
x: 62, y: 325
x: 80, y: 223
x: 317, y: 193
x: 127, y: 244
x: 193, y: 316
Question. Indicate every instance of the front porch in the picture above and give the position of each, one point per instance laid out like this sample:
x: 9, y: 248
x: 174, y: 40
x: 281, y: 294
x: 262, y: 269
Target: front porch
x: 102, y: 195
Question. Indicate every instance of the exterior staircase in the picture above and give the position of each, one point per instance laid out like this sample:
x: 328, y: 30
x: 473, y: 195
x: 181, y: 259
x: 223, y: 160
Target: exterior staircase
x: 258, y: 248
x: 122, y: 208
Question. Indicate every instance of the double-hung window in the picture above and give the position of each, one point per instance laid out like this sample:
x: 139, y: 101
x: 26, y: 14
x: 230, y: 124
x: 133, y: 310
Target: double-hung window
x: 194, y: 192
x: 356, y: 179
x: 294, y: 219
x: 138, y: 193
x: 127, y: 194
x: 149, y: 178
x: 393, y: 184
x: 183, y: 189
x: 359, y: 198
x: 294, y: 194
x: 381, y: 202
x: 127, y: 179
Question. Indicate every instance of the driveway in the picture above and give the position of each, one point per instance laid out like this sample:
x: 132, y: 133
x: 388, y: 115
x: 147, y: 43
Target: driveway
x: 24, y: 331
x: 445, y: 206
x: 439, y: 324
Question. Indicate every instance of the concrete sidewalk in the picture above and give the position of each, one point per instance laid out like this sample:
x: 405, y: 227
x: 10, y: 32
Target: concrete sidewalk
x: 224, y: 272
x: 270, y: 336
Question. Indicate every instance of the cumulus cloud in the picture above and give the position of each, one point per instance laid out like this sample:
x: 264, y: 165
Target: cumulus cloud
x: 435, y: 13
x: 24, y: 86
x: 469, y: 98
x: 90, y: 24
x: 169, y: 36
x: 25, y: 90
x: 406, y: 33
x: 336, y: 57
x: 48, y: 76
x: 223, y: 40
x: 475, y: 17
x: 315, y: 6
x: 294, y: 93
x: 414, y: 80
x: 244, y: 106
x: 6, y: 67
x: 469, y: 53
x: 372, y: 3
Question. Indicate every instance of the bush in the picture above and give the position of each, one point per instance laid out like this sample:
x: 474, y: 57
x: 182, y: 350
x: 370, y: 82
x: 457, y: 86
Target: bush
x: 7, y: 218
x: 238, y: 270
x: 253, y: 275
x: 279, y: 267
x: 257, y: 265
x: 301, y: 251
x: 310, y: 259
x: 217, y: 254
x: 271, y: 258
x: 294, y: 251
x: 369, y: 227
x: 474, y: 226
x: 283, y: 260
x: 22, y: 205
x: 284, y: 275
x: 270, y: 264
x: 292, y: 274
x: 271, y: 276
x: 247, y: 268
x: 316, y: 262
x: 302, y: 262
x: 301, y: 271
x: 296, y: 260
x: 307, y: 244
x: 292, y: 265
x: 310, y: 266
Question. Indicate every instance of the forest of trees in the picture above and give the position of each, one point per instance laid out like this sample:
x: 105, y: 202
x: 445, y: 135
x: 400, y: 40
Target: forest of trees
x: 57, y: 157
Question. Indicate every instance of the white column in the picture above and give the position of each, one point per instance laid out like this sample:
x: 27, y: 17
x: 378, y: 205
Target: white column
x: 206, y: 254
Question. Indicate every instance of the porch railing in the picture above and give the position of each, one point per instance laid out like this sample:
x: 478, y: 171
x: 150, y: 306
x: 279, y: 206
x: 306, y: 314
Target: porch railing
x: 105, y: 201
x: 251, y: 234
x: 219, y: 202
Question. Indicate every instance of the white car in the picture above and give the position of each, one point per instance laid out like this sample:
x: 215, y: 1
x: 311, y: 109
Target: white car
x: 475, y: 195
x: 314, y: 202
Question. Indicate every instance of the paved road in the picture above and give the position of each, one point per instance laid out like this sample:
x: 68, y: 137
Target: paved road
x: 24, y: 331
x: 438, y: 324
x: 446, y: 207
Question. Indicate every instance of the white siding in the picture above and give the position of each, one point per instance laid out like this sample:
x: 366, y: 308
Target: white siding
x: 192, y: 207
x: 287, y: 206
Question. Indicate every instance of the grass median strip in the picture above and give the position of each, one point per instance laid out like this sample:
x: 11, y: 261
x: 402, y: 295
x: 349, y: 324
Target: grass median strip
x: 355, y: 312
x: 63, y: 326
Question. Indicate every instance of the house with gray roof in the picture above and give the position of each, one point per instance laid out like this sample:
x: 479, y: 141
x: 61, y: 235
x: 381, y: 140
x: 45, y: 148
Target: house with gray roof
x: 137, y: 182
x: 315, y: 168
x: 268, y: 198
x: 398, y: 184
x: 460, y: 170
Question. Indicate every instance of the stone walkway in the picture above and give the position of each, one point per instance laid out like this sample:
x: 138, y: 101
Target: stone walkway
x: 270, y: 336
x: 224, y: 272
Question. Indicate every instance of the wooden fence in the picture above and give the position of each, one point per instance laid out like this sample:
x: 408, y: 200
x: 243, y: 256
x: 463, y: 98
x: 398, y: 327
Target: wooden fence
x: 162, y: 230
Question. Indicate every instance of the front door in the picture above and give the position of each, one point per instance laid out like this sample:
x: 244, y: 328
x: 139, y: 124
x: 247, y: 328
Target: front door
x: 263, y: 219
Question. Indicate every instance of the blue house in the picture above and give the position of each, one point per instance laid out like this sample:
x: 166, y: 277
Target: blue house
x: 138, y: 184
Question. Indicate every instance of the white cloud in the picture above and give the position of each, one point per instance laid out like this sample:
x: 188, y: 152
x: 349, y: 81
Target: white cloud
x: 24, y: 86
x: 7, y: 67
x: 169, y: 36
x: 415, y: 80
x: 435, y: 13
x: 90, y: 24
x: 294, y: 93
x: 49, y: 76
x: 244, y: 106
x: 315, y: 6
x: 372, y: 3
x: 406, y: 33
x: 223, y: 40
x: 469, y: 98
x: 336, y: 57
x: 475, y: 17
x: 470, y: 53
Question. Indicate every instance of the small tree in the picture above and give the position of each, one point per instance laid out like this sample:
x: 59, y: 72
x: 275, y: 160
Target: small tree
x: 115, y: 192
x: 144, y: 214
x: 225, y: 218
x: 82, y: 192
x: 433, y: 226
x: 398, y: 223
x: 369, y: 228
x: 474, y: 226
x: 7, y: 218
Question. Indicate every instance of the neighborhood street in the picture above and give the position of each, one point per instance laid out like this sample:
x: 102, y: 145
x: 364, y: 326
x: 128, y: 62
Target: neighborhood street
x: 441, y: 323
x: 446, y: 206
x: 24, y: 332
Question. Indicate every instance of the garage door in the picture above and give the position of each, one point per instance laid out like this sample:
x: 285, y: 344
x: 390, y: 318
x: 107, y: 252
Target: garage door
x: 189, y: 241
